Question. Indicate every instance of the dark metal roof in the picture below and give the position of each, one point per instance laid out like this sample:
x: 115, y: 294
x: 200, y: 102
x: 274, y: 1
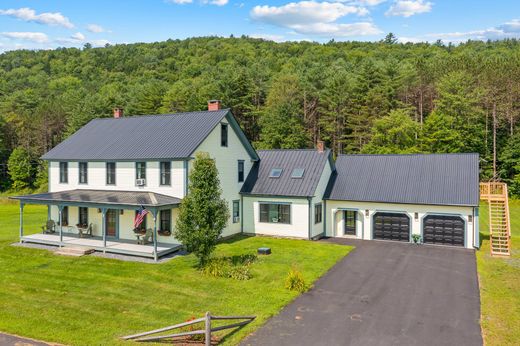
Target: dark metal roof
x: 166, y: 136
x: 435, y: 179
x: 126, y: 198
x: 313, y: 162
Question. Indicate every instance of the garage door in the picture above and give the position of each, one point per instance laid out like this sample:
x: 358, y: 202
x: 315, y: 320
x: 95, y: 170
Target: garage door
x: 443, y: 229
x: 392, y: 226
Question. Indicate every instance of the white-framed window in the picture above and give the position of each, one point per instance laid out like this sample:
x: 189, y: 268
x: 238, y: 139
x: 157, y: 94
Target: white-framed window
x: 166, y: 172
x: 240, y: 171
x: 275, y: 213
x: 236, y: 211
x: 83, y: 172
x: 318, y: 213
x: 64, y: 172
x: 111, y: 173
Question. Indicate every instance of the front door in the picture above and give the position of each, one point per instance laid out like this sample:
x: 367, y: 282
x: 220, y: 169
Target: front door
x: 350, y: 222
x: 111, y: 222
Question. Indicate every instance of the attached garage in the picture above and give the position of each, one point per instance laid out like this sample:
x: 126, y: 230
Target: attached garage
x: 427, y: 198
x: 391, y: 226
x: 444, y: 230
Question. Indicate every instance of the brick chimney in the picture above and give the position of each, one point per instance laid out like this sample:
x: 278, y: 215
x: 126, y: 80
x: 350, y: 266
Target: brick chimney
x: 213, y: 105
x: 320, y: 146
x: 118, y: 113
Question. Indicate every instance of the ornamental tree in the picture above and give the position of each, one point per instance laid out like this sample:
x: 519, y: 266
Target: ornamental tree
x: 203, y: 213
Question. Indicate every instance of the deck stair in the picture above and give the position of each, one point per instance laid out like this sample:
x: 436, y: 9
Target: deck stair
x: 76, y: 251
x: 495, y: 193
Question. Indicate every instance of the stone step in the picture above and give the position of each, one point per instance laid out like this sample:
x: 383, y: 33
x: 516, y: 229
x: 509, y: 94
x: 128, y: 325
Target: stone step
x: 75, y: 251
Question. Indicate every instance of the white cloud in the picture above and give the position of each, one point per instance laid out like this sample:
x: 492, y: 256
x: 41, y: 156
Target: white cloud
x: 315, y: 18
x: 511, y: 26
x: 509, y: 29
x: 180, y: 2
x: 99, y: 43
x: 269, y: 37
x: 408, y: 8
x: 47, y: 18
x: 37, y: 37
x: 78, y: 36
x: 96, y: 28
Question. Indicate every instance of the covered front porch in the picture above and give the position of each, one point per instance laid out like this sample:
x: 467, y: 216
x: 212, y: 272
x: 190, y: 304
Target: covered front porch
x: 109, y: 217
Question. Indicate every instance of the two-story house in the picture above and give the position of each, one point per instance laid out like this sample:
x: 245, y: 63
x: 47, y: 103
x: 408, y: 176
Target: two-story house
x: 110, y: 169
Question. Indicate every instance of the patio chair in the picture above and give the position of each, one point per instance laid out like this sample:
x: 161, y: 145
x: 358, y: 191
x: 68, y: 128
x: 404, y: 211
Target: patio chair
x: 143, y: 239
x: 49, y: 228
x: 85, y: 232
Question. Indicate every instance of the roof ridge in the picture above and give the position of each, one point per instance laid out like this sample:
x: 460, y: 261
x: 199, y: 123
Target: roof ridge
x: 414, y: 154
x: 160, y: 115
x: 302, y: 149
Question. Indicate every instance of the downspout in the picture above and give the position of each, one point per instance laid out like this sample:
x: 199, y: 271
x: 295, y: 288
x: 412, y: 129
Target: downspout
x: 310, y: 217
x: 476, y: 227
x: 324, y: 212
x: 185, y: 177
x: 241, y: 214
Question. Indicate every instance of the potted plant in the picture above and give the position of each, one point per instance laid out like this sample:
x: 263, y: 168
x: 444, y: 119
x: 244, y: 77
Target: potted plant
x: 416, y: 239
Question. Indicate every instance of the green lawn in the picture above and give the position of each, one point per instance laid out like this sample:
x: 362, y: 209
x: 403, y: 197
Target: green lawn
x: 93, y: 301
x: 500, y: 284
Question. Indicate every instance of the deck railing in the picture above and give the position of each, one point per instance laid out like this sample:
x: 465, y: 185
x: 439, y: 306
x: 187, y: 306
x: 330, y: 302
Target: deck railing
x: 492, y: 189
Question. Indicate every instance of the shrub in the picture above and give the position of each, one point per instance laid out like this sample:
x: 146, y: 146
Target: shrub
x: 295, y: 281
x: 217, y: 267
x: 240, y: 273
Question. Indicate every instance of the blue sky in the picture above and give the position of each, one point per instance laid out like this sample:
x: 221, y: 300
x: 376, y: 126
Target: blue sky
x: 39, y: 24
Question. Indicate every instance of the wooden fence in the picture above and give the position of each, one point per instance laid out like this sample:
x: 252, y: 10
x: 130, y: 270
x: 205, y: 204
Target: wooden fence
x: 149, y: 336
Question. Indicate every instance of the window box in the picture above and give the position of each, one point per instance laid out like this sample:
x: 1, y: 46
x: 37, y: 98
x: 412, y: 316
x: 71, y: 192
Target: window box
x: 165, y: 233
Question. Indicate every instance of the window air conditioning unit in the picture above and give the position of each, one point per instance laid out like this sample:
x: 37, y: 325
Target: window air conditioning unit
x: 140, y: 182
x: 236, y: 219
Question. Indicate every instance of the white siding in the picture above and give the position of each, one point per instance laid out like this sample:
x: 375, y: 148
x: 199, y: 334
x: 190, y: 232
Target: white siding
x: 335, y: 221
x: 226, y: 160
x: 317, y: 228
x: 298, y: 228
x: 125, y: 178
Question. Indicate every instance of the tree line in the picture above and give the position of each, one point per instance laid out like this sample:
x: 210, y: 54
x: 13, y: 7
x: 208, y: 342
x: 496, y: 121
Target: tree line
x: 359, y: 97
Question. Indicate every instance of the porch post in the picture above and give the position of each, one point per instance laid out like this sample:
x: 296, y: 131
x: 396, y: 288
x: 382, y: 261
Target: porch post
x: 21, y: 221
x: 154, y: 212
x: 60, y: 208
x: 103, y: 228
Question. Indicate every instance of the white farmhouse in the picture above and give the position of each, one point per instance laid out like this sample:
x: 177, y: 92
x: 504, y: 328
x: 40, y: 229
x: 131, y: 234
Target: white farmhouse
x: 102, y: 175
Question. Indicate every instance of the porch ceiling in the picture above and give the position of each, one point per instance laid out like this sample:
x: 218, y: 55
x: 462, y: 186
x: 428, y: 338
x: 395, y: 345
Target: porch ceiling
x: 102, y: 198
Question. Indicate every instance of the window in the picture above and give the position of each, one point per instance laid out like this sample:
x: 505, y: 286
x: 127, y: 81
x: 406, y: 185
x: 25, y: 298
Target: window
x: 350, y: 222
x: 165, y: 168
x: 140, y: 170
x: 83, y: 216
x: 318, y: 211
x: 143, y: 224
x: 165, y: 220
x: 83, y: 172
x: 64, y: 172
x: 223, y: 135
x: 240, y: 171
x: 236, y: 211
x: 275, y: 213
x: 275, y: 173
x: 111, y: 173
x: 65, y: 216
x: 297, y: 173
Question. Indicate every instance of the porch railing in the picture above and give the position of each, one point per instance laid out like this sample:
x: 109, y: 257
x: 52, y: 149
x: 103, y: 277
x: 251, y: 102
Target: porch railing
x: 208, y: 329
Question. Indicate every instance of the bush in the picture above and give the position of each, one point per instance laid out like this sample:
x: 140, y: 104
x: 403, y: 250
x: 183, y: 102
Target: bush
x: 295, y: 281
x: 240, y: 273
x: 217, y: 267
x: 236, y: 267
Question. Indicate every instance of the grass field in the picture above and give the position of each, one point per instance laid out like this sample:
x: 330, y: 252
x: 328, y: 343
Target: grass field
x: 500, y: 284
x: 93, y: 301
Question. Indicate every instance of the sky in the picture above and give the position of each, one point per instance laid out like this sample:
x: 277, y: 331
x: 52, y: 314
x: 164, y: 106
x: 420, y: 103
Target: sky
x: 40, y: 24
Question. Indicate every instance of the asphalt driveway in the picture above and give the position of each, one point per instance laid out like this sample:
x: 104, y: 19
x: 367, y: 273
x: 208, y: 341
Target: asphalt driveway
x: 385, y: 293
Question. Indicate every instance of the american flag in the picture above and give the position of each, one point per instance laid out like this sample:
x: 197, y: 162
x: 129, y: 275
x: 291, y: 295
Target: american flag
x: 139, y: 216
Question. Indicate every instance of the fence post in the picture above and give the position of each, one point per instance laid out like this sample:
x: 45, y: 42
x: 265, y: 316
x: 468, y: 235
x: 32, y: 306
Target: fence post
x: 208, y: 329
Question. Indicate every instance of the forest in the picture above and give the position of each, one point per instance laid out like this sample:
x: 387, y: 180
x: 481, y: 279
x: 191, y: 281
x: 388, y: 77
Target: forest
x: 358, y: 97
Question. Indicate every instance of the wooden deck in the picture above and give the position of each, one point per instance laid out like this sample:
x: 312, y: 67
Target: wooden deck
x: 119, y: 246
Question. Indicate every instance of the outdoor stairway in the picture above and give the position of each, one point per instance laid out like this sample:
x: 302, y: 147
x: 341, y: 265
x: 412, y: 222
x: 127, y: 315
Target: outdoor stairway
x: 499, y: 225
x: 75, y: 251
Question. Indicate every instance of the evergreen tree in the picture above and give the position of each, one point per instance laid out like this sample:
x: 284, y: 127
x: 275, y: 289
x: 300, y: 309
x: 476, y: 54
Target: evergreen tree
x: 20, y: 169
x: 203, y: 213
x: 393, y: 134
x: 439, y: 135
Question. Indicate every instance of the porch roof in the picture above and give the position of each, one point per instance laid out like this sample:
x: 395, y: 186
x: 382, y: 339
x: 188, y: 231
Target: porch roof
x: 102, y: 197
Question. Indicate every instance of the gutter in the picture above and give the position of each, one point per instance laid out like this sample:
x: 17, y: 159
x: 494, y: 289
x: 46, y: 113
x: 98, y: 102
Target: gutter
x: 310, y: 217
